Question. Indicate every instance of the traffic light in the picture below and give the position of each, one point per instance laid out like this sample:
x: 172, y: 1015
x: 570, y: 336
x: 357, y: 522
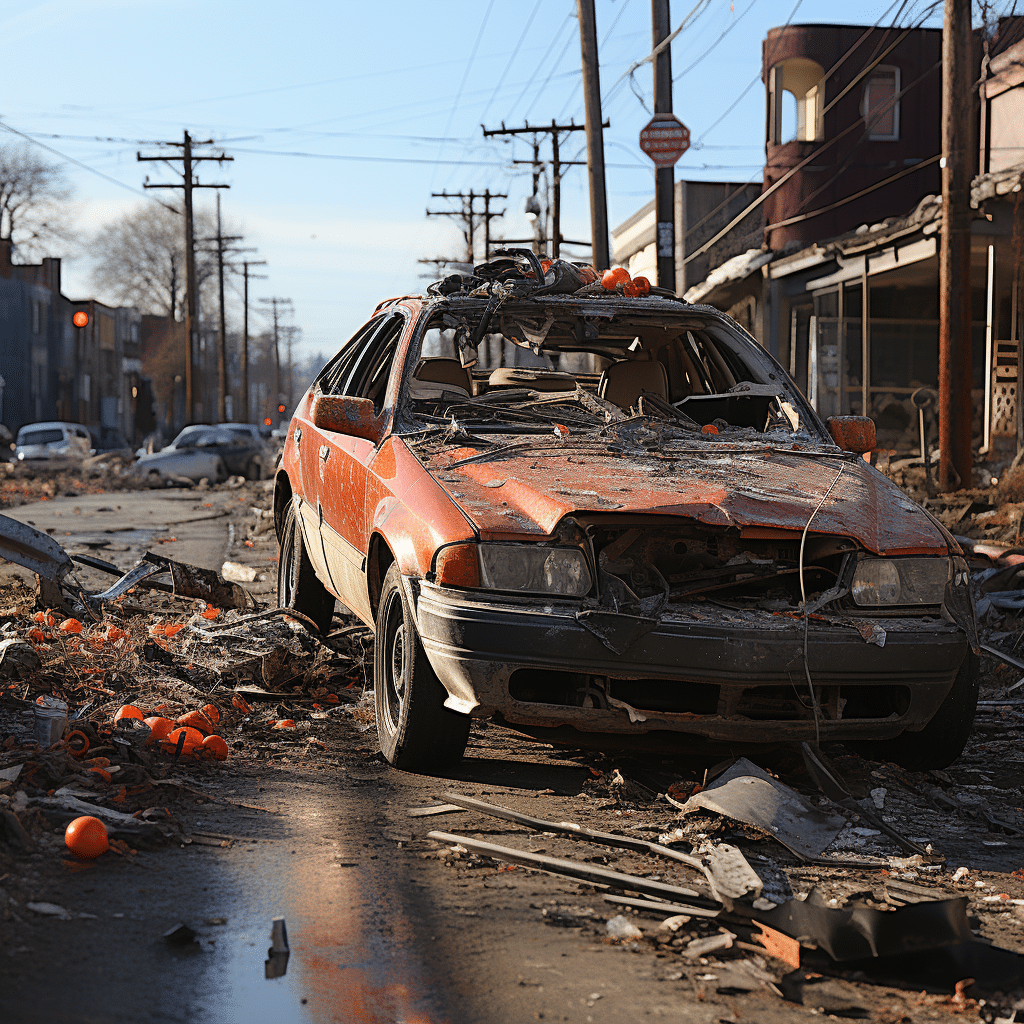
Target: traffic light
x: 280, y: 409
x: 81, y: 318
x: 268, y: 422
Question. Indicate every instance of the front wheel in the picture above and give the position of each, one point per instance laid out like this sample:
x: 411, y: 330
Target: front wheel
x: 416, y: 731
x: 297, y: 583
x: 943, y: 739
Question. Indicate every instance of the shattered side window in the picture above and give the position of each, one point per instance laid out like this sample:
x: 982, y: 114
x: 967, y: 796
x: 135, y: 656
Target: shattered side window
x: 332, y: 377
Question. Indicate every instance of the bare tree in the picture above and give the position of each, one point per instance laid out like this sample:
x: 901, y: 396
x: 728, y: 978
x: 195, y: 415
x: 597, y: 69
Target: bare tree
x: 140, y: 259
x: 34, y: 198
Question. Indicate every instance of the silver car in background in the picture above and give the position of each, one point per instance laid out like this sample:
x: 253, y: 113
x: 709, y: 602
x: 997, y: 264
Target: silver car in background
x: 53, y: 444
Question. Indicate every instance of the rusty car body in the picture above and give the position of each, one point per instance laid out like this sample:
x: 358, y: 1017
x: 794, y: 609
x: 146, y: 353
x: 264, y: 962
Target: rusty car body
x: 651, y: 535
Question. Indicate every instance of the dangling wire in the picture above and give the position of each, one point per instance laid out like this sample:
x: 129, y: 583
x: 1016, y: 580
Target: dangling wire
x: 803, y: 605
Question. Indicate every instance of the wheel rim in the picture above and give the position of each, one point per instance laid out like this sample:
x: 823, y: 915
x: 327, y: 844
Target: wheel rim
x: 288, y: 569
x: 395, y: 653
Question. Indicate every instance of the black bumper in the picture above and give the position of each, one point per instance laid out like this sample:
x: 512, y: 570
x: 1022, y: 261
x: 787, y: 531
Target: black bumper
x: 747, y: 669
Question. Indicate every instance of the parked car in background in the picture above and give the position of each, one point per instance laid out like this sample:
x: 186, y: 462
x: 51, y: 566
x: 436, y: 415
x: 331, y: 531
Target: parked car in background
x: 213, y: 452
x: 653, y: 539
x: 53, y: 443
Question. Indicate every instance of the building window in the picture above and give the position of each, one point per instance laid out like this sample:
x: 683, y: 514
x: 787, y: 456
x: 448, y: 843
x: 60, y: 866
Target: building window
x: 803, y: 79
x: 881, y: 106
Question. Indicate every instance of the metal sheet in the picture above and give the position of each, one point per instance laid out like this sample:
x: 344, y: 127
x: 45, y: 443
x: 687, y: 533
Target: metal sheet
x: 24, y: 545
x: 746, y: 793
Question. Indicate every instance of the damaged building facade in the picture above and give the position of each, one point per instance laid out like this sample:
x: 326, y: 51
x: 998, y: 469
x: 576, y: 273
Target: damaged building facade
x: 841, y: 282
x: 51, y: 369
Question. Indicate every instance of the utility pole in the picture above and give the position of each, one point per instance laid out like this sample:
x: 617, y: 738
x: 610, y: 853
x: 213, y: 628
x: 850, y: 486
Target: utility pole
x: 188, y: 158
x: 469, y: 214
x: 244, y: 368
x: 664, y: 177
x: 955, y: 252
x: 557, y: 163
x: 222, y: 368
x: 595, y: 133
x: 274, y: 303
x: 289, y: 333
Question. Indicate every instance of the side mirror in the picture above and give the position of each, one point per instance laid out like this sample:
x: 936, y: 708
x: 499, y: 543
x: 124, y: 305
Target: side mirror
x: 343, y: 414
x: 853, y: 433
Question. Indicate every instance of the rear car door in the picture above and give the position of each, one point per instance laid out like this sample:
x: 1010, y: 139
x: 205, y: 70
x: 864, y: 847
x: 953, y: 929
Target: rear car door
x: 344, y: 464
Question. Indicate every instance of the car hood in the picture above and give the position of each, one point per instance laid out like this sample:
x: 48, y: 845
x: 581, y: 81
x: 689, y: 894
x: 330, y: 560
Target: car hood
x: 771, y: 489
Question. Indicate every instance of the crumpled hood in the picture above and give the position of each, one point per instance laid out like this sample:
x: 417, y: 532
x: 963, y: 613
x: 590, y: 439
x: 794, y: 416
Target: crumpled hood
x: 773, y: 489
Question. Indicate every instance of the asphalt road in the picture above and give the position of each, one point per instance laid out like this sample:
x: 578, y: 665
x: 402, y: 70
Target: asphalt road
x: 384, y: 924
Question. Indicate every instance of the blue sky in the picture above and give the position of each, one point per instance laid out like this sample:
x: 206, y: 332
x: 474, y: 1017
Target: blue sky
x: 389, y: 97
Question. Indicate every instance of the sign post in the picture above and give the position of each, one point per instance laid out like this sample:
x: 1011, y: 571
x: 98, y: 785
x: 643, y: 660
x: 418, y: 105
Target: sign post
x: 665, y: 139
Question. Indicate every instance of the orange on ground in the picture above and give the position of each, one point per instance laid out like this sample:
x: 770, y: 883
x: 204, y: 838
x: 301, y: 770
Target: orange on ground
x: 70, y: 626
x: 215, y: 747
x: 212, y: 712
x: 197, y: 720
x: 129, y: 711
x: 159, y: 729
x: 193, y: 739
x: 86, y: 838
x: 209, y: 612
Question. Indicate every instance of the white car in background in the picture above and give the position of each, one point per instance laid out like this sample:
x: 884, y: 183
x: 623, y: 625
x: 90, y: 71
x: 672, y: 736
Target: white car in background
x: 53, y: 443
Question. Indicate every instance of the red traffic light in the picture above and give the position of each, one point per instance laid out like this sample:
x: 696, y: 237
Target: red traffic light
x: 268, y: 422
x: 280, y: 408
x: 80, y: 319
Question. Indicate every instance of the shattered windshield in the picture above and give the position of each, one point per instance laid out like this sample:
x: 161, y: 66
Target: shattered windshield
x: 638, y: 377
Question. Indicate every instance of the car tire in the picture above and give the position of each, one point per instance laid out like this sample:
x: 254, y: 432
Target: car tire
x: 416, y: 731
x: 297, y: 583
x: 943, y: 739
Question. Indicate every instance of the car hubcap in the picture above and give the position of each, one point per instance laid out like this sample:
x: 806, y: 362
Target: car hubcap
x: 394, y: 665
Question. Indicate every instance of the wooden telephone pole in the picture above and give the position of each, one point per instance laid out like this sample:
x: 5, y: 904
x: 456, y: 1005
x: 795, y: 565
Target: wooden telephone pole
x: 557, y: 163
x: 595, y: 133
x: 664, y: 177
x: 469, y: 214
x: 222, y: 368
x: 955, y: 458
x: 246, y: 264
x: 274, y: 304
x: 188, y: 183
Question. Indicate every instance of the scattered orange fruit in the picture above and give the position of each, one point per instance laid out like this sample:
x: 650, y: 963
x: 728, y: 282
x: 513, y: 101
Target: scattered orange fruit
x: 209, y: 612
x: 36, y: 635
x: 110, y: 632
x: 211, y: 712
x: 129, y: 711
x: 613, y: 277
x: 193, y: 739
x: 215, y: 747
x: 159, y: 729
x: 197, y: 720
x: 86, y: 838
x: 44, y: 618
x: 70, y: 626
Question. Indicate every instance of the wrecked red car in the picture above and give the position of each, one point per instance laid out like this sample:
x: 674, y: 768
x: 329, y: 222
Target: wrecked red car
x: 646, y: 532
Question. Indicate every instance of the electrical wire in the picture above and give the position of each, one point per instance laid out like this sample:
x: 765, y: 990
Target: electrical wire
x: 86, y: 167
x: 803, y: 605
x: 723, y: 34
x: 465, y: 74
x: 536, y: 71
x: 508, y: 66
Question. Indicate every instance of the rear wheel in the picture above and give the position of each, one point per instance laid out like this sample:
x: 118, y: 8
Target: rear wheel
x: 943, y: 739
x: 416, y: 731
x: 297, y: 583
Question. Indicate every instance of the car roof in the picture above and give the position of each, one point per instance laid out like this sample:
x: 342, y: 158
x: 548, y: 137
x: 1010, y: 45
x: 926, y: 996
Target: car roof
x: 53, y: 425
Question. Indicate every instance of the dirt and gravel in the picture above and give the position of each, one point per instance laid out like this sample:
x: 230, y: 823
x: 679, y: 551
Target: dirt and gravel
x: 384, y: 923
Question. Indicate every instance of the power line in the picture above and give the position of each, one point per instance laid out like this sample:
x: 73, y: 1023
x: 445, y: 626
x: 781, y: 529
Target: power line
x: 465, y: 74
x: 533, y: 78
x: 708, y: 49
x: 85, y: 167
x: 511, y: 60
x: 469, y: 214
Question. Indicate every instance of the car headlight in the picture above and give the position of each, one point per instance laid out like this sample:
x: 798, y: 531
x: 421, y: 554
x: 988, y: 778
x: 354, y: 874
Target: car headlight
x: 523, y: 568
x: 900, y: 581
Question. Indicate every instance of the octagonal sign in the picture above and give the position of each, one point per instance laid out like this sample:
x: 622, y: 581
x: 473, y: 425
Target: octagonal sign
x: 665, y: 139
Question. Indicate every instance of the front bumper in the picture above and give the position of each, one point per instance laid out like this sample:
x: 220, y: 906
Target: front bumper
x: 706, y: 671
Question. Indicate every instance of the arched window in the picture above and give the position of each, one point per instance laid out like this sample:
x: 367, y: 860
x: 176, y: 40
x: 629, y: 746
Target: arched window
x: 881, y: 104
x: 803, y: 79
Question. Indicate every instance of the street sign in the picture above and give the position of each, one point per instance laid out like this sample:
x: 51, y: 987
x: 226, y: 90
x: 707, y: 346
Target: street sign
x: 665, y: 139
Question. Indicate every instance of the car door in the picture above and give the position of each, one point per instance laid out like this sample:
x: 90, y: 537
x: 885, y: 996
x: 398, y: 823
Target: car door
x: 344, y: 465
